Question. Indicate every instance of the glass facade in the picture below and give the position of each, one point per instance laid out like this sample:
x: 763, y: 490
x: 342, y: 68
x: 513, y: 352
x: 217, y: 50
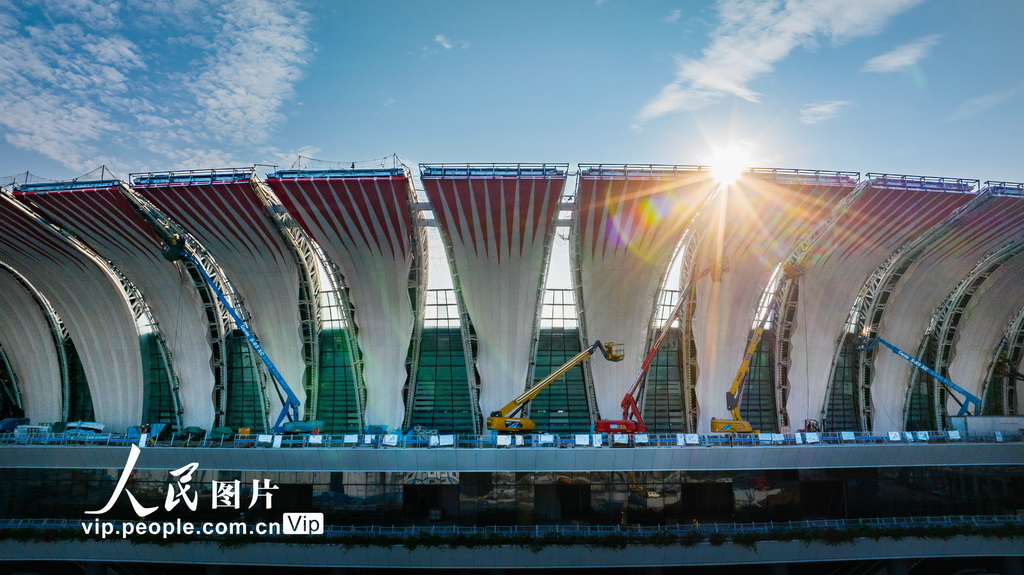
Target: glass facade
x: 80, y: 400
x: 562, y: 406
x: 663, y: 406
x: 758, y: 400
x: 926, y: 395
x: 842, y: 407
x: 10, y: 405
x: 337, y: 400
x: 528, y: 498
x: 441, y: 399
x: 158, y: 402
x: 245, y: 402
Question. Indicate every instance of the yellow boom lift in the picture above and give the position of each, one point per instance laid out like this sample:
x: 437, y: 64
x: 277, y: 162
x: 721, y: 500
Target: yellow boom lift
x: 502, y: 419
x: 736, y: 423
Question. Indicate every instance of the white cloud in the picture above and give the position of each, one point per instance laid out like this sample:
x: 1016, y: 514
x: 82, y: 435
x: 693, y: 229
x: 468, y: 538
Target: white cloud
x: 821, y: 111
x: 982, y: 104
x: 72, y: 82
x: 389, y: 102
x: 447, y: 44
x: 673, y: 16
x: 902, y: 57
x: 258, y: 55
x: 752, y: 36
x: 444, y: 41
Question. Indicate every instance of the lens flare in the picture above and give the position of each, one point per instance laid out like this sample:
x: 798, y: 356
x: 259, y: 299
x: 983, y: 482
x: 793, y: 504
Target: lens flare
x: 728, y: 163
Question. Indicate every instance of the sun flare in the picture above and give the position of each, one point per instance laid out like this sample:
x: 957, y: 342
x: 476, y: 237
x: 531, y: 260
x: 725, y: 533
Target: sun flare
x: 728, y: 163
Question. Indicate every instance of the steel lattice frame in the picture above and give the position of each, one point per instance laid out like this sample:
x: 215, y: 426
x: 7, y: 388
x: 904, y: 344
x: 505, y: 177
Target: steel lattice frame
x: 1010, y: 351
x: 310, y: 317
x: 789, y: 290
x: 418, y: 284
x: 874, y: 294
x: 339, y: 289
x: 219, y: 322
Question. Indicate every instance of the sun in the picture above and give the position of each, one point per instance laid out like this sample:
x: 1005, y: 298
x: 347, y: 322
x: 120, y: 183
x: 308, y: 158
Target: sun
x: 728, y: 163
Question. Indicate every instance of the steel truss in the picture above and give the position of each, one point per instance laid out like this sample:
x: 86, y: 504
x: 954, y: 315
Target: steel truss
x: 219, y: 322
x: 549, y: 239
x: 873, y: 298
x: 340, y: 292
x: 306, y: 260
x: 417, y: 286
x: 785, y: 286
x: 1007, y: 356
x: 664, y: 172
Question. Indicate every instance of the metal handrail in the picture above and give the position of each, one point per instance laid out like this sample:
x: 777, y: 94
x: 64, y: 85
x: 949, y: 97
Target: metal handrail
x: 412, y: 440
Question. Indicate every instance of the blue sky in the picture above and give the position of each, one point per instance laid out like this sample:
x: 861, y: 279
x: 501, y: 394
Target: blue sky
x: 900, y: 86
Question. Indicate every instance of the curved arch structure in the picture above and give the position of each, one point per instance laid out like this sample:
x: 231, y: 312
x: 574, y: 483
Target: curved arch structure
x: 886, y: 213
x: 993, y: 221
x: 225, y: 213
x: 754, y: 224
x: 92, y: 305
x: 31, y: 350
x: 107, y: 221
x: 628, y: 223
x: 499, y: 222
x: 363, y: 220
x: 992, y: 315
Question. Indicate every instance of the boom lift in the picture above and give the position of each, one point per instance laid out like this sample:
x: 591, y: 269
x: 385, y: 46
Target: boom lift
x: 632, y: 421
x: 734, y: 396
x: 965, y: 404
x: 173, y: 249
x: 502, y: 419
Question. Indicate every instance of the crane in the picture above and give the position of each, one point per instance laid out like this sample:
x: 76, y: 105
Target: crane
x: 866, y: 343
x: 502, y: 419
x: 174, y: 249
x: 632, y: 420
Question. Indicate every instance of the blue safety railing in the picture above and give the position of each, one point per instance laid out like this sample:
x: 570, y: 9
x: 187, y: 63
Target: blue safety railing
x: 399, y: 440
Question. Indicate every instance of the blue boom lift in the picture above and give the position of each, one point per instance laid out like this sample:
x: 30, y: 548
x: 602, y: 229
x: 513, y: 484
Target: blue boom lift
x: 173, y: 249
x: 970, y: 399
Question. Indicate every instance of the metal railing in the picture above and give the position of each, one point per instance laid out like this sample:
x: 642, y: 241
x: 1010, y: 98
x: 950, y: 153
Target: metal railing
x: 419, y: 440
x: 765, y: 527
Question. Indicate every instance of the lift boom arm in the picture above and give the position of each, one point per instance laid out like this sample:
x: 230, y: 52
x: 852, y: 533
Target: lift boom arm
x: 497, y: 418
x: 632, y: 420
x: 174, y: 249
x: 969, y: 398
